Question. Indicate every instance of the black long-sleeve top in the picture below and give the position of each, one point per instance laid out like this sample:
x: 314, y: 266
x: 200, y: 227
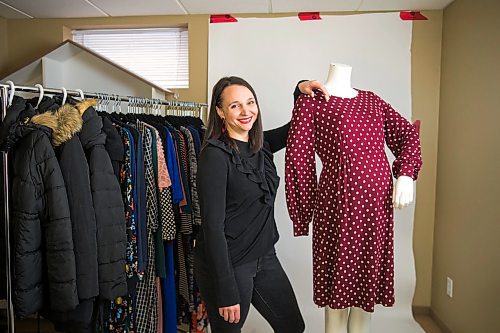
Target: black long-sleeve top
x: 237, y: 192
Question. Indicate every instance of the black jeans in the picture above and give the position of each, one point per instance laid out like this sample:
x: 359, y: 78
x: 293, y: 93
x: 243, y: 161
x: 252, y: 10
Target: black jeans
x: 264, y: 284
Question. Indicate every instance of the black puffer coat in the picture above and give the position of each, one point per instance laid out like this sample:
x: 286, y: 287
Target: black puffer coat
x: 42, y: 237
x: 75, y: 172
x: 114, y: 145
x: 108, y: 205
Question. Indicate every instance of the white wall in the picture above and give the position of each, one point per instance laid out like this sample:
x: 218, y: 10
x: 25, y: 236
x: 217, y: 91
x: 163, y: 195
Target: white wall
x: 273, y: 54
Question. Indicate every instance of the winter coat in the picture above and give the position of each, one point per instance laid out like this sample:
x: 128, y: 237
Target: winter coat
x: 108, y: 205
x: 75, y: 171
x: 44, y: 265
x: 3, y: 264
x: 114, y: 145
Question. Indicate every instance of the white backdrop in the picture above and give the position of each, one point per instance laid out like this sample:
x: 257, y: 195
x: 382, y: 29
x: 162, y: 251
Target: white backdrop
x: 272, y: 55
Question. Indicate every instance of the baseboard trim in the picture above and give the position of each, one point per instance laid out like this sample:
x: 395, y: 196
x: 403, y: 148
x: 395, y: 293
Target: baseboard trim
x: 427, y: 311
x: 439, y: 322
x: 421, y: 310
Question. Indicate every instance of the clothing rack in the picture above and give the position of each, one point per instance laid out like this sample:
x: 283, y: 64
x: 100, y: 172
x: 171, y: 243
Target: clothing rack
x: 172, y: 107
x: 10, y: 309
x: 135, y: 104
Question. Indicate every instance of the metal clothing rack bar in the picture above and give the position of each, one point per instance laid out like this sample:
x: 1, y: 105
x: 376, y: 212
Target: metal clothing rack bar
x: 98, y: 95
x: 203, y: 107
x: 5, y: 156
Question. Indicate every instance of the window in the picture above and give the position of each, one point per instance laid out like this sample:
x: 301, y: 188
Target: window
x: 157, y: 55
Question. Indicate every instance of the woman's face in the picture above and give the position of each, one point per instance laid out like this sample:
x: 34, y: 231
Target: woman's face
x: 239, y: 110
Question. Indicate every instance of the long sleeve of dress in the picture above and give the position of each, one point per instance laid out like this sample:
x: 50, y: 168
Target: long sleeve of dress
x: 212, y: 183
x: 300, y: 168
x: 404, y: 142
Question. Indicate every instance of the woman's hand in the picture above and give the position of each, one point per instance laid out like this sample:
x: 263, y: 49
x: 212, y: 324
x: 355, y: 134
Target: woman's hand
x: 307, y: 87
x: 231, y: 313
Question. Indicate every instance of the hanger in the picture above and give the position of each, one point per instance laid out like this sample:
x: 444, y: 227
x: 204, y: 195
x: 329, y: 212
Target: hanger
x: 108, y: 102
x: 12, y: 90
x: 80, y: 91
x: 117, y: 104
x: 157, y: 107
x: 130, y: 104
x: 65, y: 95
x: 40, y: 90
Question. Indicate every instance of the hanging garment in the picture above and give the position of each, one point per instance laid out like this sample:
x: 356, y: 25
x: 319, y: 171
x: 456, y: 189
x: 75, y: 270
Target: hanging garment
x: 158, y: 158
x: 40, y: 215
x: 114, y: 145
x: 173, y: 168
x: 193, y: 166
x: 169, y: 292
x: 165, y: 207
x: 146, y: 312
x: 75, y: 171
x: 353, y: 260
x: 141, y: 200
x: 108, y: 206
x: 127, y: 181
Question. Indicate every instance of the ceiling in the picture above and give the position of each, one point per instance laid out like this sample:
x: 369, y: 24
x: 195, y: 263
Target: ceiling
x: 107, y: 8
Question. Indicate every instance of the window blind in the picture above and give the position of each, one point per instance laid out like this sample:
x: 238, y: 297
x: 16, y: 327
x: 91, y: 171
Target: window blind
x: 158, y: 55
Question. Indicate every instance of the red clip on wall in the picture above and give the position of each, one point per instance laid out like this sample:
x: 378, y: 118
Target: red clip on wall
x: 308, y: 16
x: 222, y: 18
x: 411, y: 16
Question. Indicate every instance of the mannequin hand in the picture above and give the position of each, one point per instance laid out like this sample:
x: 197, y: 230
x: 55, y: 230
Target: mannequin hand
x: 230, y: 313
x: 402, y: 194
x: 307, y: 87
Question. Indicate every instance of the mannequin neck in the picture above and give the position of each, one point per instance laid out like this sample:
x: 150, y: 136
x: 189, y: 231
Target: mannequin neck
x: 338, y: 82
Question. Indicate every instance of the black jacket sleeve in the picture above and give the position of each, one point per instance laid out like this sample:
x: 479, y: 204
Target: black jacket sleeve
x: 276, y: 138
x: 74, y: 168
x: 213, y: 168
x: 114, y: 145
x: 61, y: 267
x: 108, y: 207
x: 297, y: 92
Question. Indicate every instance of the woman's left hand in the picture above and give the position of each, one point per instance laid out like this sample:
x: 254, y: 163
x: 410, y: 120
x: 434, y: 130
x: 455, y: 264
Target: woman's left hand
x: 308, y: 87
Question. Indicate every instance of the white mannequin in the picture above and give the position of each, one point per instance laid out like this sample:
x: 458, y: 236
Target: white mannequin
x: 338, y: 82
x: 356, y: 320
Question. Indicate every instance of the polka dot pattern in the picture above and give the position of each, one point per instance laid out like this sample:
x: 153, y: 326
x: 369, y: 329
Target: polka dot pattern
x: 353, y: 256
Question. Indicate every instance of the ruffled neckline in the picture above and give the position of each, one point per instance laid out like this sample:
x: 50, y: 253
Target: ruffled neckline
x: 265, y: 175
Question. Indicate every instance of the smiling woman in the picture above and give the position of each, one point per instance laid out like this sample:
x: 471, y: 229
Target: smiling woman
x: 235, y: 261
x: 240, y: 113
x: 235, y: 114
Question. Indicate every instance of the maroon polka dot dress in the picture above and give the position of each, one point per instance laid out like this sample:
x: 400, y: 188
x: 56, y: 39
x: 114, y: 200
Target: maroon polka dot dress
x: 353, y: 258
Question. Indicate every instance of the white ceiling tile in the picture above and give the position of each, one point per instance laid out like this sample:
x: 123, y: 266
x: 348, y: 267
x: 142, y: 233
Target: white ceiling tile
x: 55, y: 8
x: 7, y: 12
x: 281, y: 6
x: 139, y: 8
x: 404, y: 4
x: 84, y: 8
x: 225, y: 6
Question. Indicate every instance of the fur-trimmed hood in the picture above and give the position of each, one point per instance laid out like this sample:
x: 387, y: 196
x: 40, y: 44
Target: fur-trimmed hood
x: 59, y: 125
x: 65, y: 122
x: 91, y: 133
x: 83, y: 106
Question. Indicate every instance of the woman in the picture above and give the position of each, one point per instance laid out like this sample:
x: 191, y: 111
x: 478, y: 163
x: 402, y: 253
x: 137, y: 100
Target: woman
x: 235, y: 260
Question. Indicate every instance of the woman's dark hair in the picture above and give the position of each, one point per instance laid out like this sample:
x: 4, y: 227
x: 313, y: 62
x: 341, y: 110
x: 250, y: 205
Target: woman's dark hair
x: 215, y: 123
